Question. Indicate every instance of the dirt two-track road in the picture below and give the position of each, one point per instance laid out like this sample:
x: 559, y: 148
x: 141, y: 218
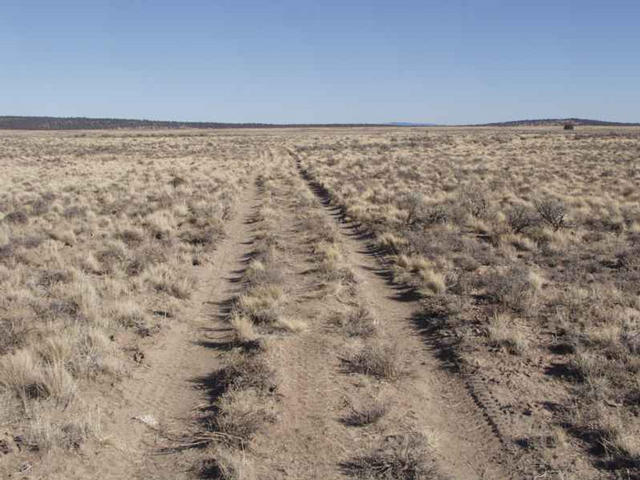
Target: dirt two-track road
x: 154, y: 428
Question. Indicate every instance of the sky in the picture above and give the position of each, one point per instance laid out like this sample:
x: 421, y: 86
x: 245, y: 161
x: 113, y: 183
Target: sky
x: 323, y: 61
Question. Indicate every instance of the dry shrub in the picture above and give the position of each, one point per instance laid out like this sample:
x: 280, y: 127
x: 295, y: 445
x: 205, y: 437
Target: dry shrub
x: 521, y: 218
x: 391, y: 243
x: 248, y: 372
x: 365, y: 412
x: 378, y: 358
x: 263, y: 303
x: 401, y: 457
x: 243, y: 329
x: 475, y: 200
x: 432, y: 283
x: 517, y: 288
x: 45, y: 433
x: 14, y: 334
x: 241, y: 413
x: 553, y: 212
x: 246, y: 402
x: 504, y: 332
x: 357, y: 322
x: 264, y: 270
x: 166, y: 279
x: 227, y: 464
x: 27, y: 378
x: 332, y: 264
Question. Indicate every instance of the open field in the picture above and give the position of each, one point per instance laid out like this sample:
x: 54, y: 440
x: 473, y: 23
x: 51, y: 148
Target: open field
x: 374, y: 303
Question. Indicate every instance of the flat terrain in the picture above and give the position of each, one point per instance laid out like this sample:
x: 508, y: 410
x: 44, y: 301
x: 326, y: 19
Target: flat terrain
x: 373, y: 303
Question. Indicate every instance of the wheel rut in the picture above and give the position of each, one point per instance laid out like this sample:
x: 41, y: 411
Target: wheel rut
x: 154, y: 409
x: 465, y: 442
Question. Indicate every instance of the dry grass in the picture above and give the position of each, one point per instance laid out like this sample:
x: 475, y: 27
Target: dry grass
x: 365, y: 412
x: 378, y: 358
x: 97, y: 232
x: 540, y: 225
x: 356, y: 322
x: 504, y: 332
x: 401, y: 457
x: 523, y: 244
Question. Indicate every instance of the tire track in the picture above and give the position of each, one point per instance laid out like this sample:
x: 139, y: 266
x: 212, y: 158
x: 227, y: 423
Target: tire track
x: 157, y: 404
x: 470, y: 443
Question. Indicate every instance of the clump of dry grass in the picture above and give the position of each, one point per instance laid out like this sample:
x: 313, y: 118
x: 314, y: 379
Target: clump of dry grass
x: 241, y: 413
x: 367, y: 412
x: 505, y: 333
x: 356, y: 322
x: 248, y: 372
x: 516, y: 288
x: 30, y: 379
x: 331, y: 262
x: 45, y: 433
x: 401, y: 457
x: 243, y: 328
x: 247, y: 385
x: 227, y: 464
x: 379, y: 358
x: 262, y: 304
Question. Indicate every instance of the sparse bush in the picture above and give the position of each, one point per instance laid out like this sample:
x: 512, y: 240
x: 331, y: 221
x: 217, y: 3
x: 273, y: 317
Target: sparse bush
x: 401, y: 457
x: 516, y: 288
x: 17, y: 216
x: 521, y: 218
x: 474, y: 200
x: 413, y: 203
x: 437, y: 214
x: 553, y: 212
x: 227, y: 464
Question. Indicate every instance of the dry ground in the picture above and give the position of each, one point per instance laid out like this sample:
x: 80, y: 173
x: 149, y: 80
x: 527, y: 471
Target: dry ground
x: 316, y: 303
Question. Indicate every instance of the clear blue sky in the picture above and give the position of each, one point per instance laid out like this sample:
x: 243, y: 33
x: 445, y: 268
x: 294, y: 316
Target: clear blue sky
x: 321, y: 61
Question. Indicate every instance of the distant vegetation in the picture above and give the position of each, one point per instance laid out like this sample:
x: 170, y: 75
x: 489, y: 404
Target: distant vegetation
x: 550, y: 122
x: 81, y: 123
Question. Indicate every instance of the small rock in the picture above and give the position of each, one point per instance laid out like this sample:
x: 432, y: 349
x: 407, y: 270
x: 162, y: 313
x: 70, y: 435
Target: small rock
x: 148, y: 420
x: 138, y: 356
x: 5, y: 448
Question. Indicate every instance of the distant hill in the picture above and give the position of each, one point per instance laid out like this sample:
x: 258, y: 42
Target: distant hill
x: 550, y: 122
x: 411, y: 124
x: 81, y: 123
